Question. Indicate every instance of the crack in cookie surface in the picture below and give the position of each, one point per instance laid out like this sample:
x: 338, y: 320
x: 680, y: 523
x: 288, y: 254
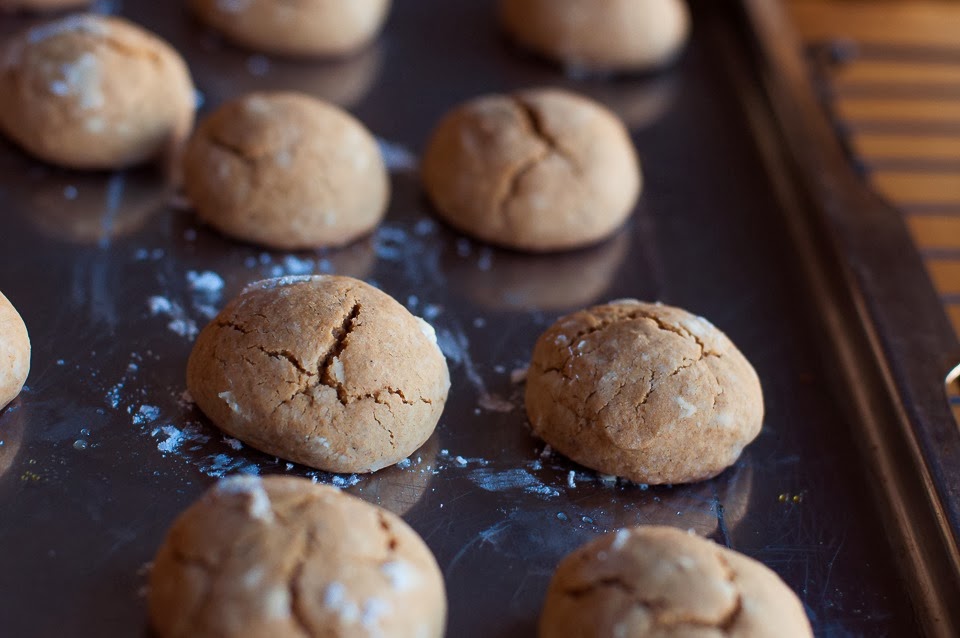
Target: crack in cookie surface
x: 664, y: 613
x: 536, y: 125
x: 324, y: 374
x: 341, y: 333
x: 550, y: 146
x: 236, y: 151
x: 300, y: 371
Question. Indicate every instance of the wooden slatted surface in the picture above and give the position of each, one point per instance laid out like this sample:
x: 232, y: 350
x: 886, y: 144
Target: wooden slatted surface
x: 911, y: 23
x: 886, y: 147
x: 891, y: 70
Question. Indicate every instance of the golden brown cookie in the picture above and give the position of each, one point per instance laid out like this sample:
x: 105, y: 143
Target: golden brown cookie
x: 94, y: 92
x: 600, y: 35
x: 287, y: 171
x: 325, y: 371
x: 285, y: 557
x: 644, y: 391
x: 659, y: 582
x: 14, y: 352
x: 41, y: 5
x: 302, y: 28
x: 539, y: 170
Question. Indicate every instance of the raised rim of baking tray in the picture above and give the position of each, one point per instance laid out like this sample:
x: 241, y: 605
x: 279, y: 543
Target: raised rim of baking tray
x: 881, y: 313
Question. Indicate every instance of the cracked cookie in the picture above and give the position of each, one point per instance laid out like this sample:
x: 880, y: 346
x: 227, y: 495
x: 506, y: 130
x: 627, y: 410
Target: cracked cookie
x: 659, y: 582
x: 14, y: 352
x: 644, y: 391
x: 287, y: 171
x: 604, y: 35
x: 282, y: 556
x: 322, y: 28
x: 322, y: 370
x: 94, y: 92
x: 539, y: 170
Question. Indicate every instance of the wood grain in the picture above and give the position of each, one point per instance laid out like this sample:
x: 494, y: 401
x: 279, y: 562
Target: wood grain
x: 909, y: 188
x: 915, y: 110
x: 904, y: 73
x: 920, y: 23
x: 935, y: 233
x: 886, y: 146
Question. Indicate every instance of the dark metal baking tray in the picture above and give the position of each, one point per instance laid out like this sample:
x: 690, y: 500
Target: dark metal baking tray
x: 750, y: 217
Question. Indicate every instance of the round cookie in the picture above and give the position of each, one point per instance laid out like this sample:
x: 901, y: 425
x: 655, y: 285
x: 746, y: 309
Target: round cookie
x: 287, y: 171
x: 41, y: 5
x: 325, y: 371
x: 539, y: 170
x: 644, y: 391
x: 653, y: 581
x: 305, y: 28
x: 282, y: 556
x: 14, y: 352
x: 94, y: 92
x: 600, y: 35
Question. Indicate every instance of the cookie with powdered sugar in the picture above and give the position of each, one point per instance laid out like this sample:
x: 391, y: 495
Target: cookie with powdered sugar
x: 654, y: 582
x: 282, y: 556
x: 645, y: 391
x: 325, y: 371
x: 94, y: 92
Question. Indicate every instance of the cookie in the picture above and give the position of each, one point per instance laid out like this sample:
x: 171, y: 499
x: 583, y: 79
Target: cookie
x: 325, y: 28
x: 94, y: 92
x: 600, y: 35
x: 287, y: 171
x: 539, y: 170
x: 14, y: 352
x: 41, y: 5
x: 644, y: 391
x: 325, y: 371
x: 282, y: 556
x: 661, y: 581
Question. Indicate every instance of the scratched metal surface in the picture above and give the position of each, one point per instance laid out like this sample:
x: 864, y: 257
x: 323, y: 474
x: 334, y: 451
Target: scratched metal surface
x: 90, y: 479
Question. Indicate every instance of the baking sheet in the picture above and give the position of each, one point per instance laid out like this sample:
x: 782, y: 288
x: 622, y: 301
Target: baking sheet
x: 102, y: 451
